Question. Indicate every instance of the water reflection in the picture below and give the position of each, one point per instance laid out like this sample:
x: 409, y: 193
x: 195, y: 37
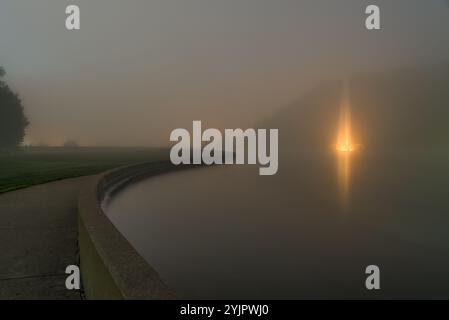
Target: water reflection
x: 344, y: 177
x: 226, y: 232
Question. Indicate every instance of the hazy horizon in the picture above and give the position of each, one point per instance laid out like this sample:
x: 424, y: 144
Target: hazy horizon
x: 137, y: 70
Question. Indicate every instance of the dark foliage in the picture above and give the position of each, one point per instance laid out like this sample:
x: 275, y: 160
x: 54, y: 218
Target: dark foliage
x: 12, y: 118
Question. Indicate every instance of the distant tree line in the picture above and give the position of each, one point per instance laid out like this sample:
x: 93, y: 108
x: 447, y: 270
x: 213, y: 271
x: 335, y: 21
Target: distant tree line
x: 12, y: 118
x: 70, y: 144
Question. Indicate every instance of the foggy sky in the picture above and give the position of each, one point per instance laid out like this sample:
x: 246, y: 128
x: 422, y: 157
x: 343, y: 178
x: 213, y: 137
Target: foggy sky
x: 138, y: 69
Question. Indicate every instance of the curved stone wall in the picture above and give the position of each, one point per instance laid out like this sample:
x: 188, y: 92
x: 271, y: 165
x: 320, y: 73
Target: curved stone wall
x: 110, y: 267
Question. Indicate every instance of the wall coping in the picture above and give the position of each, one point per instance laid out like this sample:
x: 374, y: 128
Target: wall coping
x: 110, y: 266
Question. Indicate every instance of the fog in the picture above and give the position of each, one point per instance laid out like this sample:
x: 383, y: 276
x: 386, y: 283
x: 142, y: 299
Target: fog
x: 138, y: 69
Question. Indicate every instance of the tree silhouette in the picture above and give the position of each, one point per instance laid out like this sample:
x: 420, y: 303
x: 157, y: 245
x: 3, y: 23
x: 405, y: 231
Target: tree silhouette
x: 12, y: 118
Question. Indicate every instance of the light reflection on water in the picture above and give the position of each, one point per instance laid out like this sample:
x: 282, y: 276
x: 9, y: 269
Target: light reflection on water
x: 344, y: 177
x: 225, y: 232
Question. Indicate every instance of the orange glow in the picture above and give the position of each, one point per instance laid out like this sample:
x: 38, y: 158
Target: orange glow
x: 344, y: 176
x: 344, y: 139
x: 345, y: 147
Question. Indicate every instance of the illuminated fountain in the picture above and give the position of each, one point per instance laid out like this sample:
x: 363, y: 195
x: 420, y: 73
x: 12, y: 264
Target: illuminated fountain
x: 345, y: 147
x: 344, y: 138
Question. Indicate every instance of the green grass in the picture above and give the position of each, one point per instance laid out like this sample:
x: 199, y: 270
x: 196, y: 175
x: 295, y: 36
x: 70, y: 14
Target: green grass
x: 35, y: 165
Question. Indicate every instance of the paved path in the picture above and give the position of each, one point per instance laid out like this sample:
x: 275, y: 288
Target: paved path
x: 38, y: 240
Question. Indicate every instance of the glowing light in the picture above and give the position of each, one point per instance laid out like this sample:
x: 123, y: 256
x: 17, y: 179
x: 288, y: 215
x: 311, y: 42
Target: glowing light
x: 345, y: 147
x: 344, y: 139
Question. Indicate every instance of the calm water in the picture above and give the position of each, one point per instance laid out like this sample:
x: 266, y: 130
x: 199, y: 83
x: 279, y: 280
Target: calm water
x: 308, y: 232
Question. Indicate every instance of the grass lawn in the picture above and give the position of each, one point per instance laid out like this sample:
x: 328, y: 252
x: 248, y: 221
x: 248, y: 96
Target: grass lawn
x: 35, y: 165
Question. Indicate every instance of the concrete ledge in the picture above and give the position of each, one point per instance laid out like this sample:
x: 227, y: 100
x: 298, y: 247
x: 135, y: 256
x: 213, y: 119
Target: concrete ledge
x: 110, y: 267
